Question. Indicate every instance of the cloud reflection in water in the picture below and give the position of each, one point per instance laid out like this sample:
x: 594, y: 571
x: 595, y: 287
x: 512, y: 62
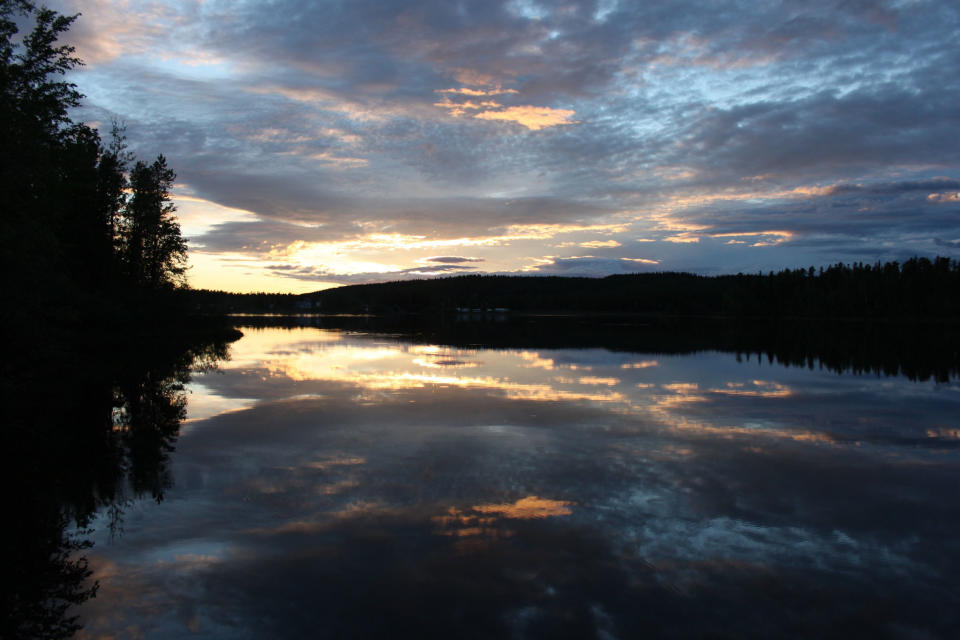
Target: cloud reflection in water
x: 384, y: 487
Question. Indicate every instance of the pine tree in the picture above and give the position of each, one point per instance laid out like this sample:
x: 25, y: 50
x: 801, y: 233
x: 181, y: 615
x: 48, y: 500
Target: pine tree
x: 156, y: 253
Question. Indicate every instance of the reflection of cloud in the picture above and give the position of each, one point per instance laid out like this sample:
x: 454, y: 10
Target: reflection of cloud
x: 445, y: 363
x: 643, y: 364
x: 675, y: 410
x: 395, y: 367
x: 761, y: 389
x: 656, y: 505
x: 528, y: 508
x: 203, y: 404
x: 534, y: 360
x: 332, y: 463
x: 377, y: 368
x: 518, y: 391
x: 950, y: 434
x: 485, y: 520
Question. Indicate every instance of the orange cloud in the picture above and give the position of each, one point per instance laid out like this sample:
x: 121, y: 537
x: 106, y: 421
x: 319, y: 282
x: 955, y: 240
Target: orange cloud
x: 597, y: 244
x: 548, y: 230
x: 598, y: 381
x: 682, y: 239
x: 464, y: 91
x: 459, y: 108
x: 533, y: 118
x: 944, y: 197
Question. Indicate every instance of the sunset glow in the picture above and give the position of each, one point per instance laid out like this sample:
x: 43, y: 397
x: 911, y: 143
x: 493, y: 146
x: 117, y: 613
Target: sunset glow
x: 354, y: 144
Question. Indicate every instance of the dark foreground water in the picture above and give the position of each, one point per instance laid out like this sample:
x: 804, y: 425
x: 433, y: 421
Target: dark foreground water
x: 329, y: 483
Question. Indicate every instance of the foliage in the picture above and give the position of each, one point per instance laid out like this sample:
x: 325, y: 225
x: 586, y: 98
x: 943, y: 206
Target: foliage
x: 73, y: 240
x: 156, y: 254
x: 69, y: 208
x: 917, y: 289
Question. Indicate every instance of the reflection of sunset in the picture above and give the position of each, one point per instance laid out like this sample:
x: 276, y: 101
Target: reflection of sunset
x: 444, y: 363
x: 761, y: 389
x: 644, y: 364
x: 337, y: 462
x: 425, y: 349
x: 528, y: 508
x: 535, y: 361
x: 953, y: 434
x: 485, y: 520
x: 380, y: 365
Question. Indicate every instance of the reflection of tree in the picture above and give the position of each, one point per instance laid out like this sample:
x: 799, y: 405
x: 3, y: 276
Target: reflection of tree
x: 919, y: 351
x: 147, y: 423
x: 87, y: 429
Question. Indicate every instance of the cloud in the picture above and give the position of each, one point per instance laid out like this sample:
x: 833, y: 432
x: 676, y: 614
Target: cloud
x: 533, y: 118
x: 599, y: 244
x: 589, y: 266
x: 325, y: 274
x: 466, y: 91
x: 444, y: 121
x: 451, y: 259
x: 944, y: 197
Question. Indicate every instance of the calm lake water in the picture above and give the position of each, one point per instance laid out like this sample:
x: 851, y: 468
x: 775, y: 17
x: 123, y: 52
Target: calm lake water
x: 340, y: 484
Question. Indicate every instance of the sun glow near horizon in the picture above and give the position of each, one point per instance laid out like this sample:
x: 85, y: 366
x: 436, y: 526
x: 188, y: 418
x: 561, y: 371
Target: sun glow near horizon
x: 308, y: 162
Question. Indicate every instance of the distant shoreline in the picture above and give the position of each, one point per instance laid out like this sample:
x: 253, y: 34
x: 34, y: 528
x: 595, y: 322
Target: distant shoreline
x: 919, y: 289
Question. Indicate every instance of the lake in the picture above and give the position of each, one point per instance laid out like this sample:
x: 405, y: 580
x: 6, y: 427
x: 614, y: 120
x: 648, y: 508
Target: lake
x: 345, y: 483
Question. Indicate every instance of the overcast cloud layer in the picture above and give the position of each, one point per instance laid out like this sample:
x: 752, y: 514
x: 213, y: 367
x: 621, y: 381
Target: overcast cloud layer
x: 320, y: 143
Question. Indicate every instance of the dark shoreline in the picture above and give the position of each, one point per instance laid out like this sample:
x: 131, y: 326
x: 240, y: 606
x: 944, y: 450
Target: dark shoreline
x: 920, y: 351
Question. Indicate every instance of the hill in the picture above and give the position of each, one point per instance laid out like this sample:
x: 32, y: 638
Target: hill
x: 917, y: 289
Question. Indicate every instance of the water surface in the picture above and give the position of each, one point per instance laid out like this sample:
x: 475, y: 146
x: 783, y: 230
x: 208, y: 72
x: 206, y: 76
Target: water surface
x: 340, y: 484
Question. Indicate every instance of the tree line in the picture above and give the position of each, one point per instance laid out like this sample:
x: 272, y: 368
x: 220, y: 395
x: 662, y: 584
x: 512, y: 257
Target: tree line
x: 916, y: 289
x: 84, y: 224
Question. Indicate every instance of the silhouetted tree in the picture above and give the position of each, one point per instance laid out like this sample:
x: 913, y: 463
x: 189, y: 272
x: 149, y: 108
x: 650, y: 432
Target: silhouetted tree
x: 82, y: 231
x: 919, y: 289
x: 112, y: 187
x: 37, y: 145
x: 156, y: 253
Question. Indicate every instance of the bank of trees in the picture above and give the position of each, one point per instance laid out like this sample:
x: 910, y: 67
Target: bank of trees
x: 916, y: 289
x: 82, y: 222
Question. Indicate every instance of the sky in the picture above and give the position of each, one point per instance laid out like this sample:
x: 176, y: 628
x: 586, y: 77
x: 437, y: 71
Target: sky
x: 327, y: 143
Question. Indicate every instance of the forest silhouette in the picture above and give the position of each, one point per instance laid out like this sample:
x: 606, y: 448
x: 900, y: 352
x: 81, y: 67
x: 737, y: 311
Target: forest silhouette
x: 916, y: 289
x: 90, y: 236
x: 97, y: 351
x: 103, y: 333
x: 88, y: 231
